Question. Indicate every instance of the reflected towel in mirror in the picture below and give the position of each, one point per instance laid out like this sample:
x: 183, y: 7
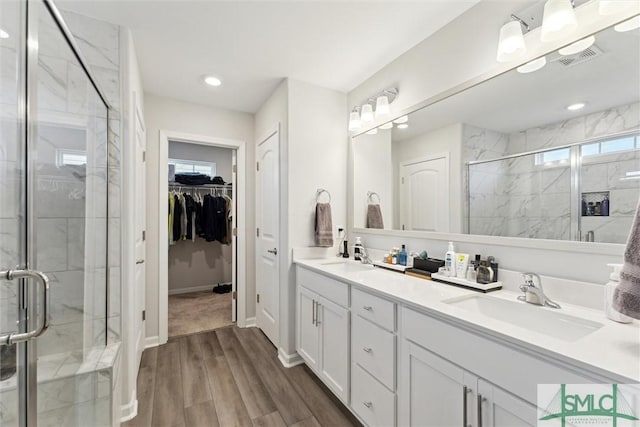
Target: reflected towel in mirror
x: 324, y: 226
x: 374, y: 216
x: 626, y: 298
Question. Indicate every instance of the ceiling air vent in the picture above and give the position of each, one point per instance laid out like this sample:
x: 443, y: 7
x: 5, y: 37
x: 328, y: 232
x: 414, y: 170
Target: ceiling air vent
x: 580, y: 57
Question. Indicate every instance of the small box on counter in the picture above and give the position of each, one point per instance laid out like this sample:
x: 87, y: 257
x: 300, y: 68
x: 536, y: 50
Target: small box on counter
x: 430, y: 264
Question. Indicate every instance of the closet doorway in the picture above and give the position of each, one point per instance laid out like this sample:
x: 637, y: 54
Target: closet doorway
x: 200, y: 281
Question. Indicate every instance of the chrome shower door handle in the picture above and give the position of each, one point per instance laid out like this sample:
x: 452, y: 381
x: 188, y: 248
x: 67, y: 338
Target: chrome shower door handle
x: 43, y: 322
x: 273, y: 251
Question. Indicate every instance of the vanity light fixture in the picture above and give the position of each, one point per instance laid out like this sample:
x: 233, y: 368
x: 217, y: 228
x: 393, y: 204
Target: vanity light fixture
x: 366, y: 113
x: 372, y: 131
x: 401, y: 119
x: 3, y: 34
x: 578, y: 46
x: 354, y: 120
x: 558, y: 20
x: 382, y: 106
x: 387, y: 125
x: 511, y: 42
x: 402, y: 126
x: 576, y: 106
x: 379, y: 101
x: 628, y: 25
x: 532, y: 66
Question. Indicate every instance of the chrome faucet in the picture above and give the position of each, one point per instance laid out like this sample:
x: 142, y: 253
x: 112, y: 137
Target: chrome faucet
x: 364, y: 258
x: 533, y: 293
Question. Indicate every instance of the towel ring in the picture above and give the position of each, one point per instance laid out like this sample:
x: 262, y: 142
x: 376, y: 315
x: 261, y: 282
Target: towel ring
x: 370, y: 195
x: 319, y: 193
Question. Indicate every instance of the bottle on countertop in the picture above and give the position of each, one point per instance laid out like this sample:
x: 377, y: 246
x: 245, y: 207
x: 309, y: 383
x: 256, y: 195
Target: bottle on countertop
x: 345, y: 252
x: 604, y: 206
x: 494, y: 268
x: 598, y: 209
x: 357, y: 249
x: 471, y: 273
x: 403, y: 256
x: 450, y: 261
x: 609, y: 289
x: 394, y: 257
x: 584, y: 206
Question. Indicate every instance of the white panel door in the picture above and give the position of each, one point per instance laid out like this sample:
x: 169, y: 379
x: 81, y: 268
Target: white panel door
x: 308, y: 345
x: 432, y: 392
x: 424, y: 195
x: 140, y: 227
x: 333, y: 321
x: 502, y: 409
x: 267, y: 244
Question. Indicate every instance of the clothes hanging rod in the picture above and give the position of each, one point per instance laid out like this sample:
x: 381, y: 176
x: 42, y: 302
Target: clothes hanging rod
x: 207, y: 186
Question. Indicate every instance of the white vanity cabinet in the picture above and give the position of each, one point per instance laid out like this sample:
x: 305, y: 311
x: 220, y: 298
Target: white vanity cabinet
x: 323, y: 329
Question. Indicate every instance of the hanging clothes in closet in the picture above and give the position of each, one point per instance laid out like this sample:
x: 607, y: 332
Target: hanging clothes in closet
x: 208, y: 216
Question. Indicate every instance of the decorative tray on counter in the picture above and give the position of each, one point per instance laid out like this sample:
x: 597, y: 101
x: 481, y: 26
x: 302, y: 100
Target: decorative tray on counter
x: 494, y: 286
x: 394, y: 267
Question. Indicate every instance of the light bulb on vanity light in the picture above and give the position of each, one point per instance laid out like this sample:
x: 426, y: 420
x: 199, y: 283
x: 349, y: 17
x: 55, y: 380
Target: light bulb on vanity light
x: 532, y: 66
x: 402, y: 126
x: 382, y: 106
x: 511, y: 42
x: 578, y: 46
x: 628, y: 25
x: 559, y: 20
x: 354, y: 120
x: 401, y: 119
x: 366, y: 113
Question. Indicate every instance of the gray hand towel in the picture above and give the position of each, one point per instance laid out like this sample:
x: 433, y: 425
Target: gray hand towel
x: 374, y: 216
x: 626, y: 298
x: 324, y: 226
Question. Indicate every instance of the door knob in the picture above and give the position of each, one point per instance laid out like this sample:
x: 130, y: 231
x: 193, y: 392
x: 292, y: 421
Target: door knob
x: 140, y: 261
x: 273, y: 251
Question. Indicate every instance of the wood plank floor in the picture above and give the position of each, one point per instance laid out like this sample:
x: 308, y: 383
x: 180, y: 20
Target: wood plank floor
x: 230, y: 377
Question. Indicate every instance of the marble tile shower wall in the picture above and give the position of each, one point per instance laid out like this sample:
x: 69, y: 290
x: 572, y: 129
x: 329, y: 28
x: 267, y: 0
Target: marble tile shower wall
x: 542, y: 196
x: 488, y: 208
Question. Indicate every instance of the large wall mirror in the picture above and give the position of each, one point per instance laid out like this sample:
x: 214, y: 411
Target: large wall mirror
x: 552, y: 153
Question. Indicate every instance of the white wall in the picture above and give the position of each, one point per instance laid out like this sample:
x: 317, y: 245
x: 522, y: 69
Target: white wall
x: 463, y: 50
x: 200, y: 263
x: 313, y: 154
x: 372, y: 165
x: 444, y: 140
x: 172, y: 115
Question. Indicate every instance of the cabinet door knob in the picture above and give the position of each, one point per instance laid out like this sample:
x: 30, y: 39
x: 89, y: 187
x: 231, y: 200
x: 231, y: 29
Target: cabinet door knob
x: 367, y: 404
x: 367, y: 349
x: 368, y: 308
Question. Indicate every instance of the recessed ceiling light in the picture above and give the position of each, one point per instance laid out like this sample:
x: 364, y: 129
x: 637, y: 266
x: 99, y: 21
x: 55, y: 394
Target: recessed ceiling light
x: 532, y: 66
x: 212, y: 81
x: 372, y: 131
x: 576, y: 106
x: 401, y: 119
x: 402, y: 126
x: 628, y: 25
x: 578, y: 46
x: 387, y: 125
x: 3, y: 34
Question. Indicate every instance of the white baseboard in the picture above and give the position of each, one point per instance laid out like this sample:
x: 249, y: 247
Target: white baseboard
x: 191, y: 289
x: 151, y: 342
x: 250, y: 322
x: 289, y: 360
x: 130, y: 410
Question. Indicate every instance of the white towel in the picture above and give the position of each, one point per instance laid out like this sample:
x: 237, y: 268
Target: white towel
x: 626, y: 297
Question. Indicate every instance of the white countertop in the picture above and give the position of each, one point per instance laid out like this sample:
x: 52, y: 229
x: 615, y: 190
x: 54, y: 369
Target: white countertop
x: 613, y: 351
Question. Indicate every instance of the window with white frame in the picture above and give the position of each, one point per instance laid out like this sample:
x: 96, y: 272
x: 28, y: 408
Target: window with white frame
x: 608, y: 146
x: 191, y: 166
x: 66, y: 157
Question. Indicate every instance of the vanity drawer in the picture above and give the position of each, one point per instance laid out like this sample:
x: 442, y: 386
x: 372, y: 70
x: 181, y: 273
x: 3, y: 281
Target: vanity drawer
x: 373, y: 308
x: 371, y: 400
x: 327, y: 287
x: 373, y: 348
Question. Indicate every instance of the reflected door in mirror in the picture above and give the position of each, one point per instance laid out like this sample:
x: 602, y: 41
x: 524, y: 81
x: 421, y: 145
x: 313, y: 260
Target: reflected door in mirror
x: 424, y: 199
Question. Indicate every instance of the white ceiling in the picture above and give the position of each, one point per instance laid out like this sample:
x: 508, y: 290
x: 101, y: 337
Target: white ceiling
x: 253, y: 45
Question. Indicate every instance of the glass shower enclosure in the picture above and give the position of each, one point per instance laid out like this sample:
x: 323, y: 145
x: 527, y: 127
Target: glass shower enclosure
x: 53, y: 224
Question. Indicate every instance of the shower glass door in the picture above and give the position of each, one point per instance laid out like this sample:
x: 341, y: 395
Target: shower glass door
x: 53, y: 219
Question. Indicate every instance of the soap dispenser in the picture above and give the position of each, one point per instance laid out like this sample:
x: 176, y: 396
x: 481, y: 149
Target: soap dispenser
x: 358, y: 249
x: 609, y: 289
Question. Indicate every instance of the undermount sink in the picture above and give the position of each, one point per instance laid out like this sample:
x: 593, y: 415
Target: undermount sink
x: 545, y: 321
x: 346, y: 266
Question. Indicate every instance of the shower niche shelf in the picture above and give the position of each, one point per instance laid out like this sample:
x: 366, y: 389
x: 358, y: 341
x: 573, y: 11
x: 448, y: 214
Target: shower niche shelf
x: 596, y: 203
